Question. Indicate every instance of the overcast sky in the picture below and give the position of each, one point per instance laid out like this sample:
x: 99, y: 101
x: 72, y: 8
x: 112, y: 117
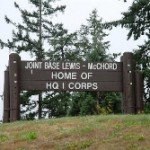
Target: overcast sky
x: 76, y: 13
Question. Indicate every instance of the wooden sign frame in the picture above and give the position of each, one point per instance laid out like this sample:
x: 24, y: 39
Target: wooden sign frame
x: 71, y: 76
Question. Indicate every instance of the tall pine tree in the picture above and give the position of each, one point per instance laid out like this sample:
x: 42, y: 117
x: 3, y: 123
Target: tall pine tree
x: 63, y: 48
x: 137, y: 21
x: 32, y: 35
x: 93, y: 47
x: 91, y: 36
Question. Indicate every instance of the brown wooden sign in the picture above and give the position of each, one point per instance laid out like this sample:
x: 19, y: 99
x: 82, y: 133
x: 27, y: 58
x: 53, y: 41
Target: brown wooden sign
x: 71, y: 76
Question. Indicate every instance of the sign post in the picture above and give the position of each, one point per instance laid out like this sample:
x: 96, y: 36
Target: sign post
x: 6, y: 115
x: 129, y: 83
x: 139, y: 90
x: 14, y: 82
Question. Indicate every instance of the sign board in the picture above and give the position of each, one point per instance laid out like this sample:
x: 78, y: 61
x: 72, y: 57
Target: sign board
x: 71, y: 76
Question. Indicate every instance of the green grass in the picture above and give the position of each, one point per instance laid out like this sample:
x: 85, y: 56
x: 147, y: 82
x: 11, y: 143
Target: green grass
x: 110, y: 132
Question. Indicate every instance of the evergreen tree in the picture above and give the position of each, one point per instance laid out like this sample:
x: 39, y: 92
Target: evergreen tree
x: 91, y: 36
x: 33, y: 34
x: 75, y: 104
x: 88, y: 106
x: 63, y: 48
x: 56, y: 104
x: 26, y: 36
x: 137, y: 21
x: 82, y: 103
x: 62, y: 45
x: 92, y: 47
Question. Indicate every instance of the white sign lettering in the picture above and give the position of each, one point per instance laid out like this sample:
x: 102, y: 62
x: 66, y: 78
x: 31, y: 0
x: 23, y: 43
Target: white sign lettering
x: 72, y: 85
x: 102, y: 66
x: 86, y: 75
x: 52, y: 65
x: 64, y: 75
x: 33, y: 65
x: 69, y: 65
x: 52, y: 85
x: 82, y: 85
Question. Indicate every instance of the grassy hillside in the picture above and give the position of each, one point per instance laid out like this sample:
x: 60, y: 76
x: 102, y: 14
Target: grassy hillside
x: 121, y: 132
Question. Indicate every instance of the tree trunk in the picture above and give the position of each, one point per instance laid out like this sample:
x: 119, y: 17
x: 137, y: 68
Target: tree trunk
x: 40, y: 55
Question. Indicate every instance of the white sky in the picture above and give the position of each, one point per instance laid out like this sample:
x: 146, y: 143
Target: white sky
x: 76, y: 13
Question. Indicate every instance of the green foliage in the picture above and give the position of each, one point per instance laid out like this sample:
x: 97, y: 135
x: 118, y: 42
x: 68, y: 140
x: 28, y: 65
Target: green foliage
x: 30, y: 136
x: 91, y: 36
x: 3, y: 138
x: 33, y: 35
x: 109, y: 103
x: 62, y: 45
x: 75, y: 104
x: 104, y: 110
x: 92, y: 47
x: 22, y: 39
x: 82, y: 104
x: 147, y: 108
x: 88, y: 103
x: 112, y: 102
x: 136, y: 20
x: 28, y: 105
x: 88, y: 106
x: 56, y: 104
